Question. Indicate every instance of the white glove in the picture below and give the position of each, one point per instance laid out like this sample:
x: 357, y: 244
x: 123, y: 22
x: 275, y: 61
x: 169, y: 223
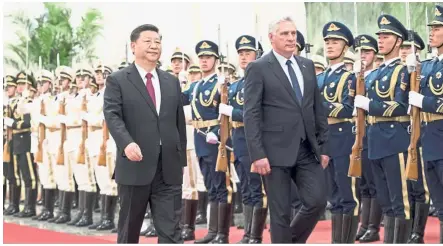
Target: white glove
x: 220, y: 82
x: 62, y: 119
x: 8, y: 121
x: 182, y: 76
x: 362, y: 102
x: 354, y: 112
x: 411, y: 62
x: 416, y: 99
x: 409, y: 110
x: 225, y: 109
x: 357, y: 67
x: 211, y: 138
x: 84, y: 116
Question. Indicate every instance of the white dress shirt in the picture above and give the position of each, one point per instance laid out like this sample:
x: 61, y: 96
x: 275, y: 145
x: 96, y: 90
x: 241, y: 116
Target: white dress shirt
x: 282, y: 60
x: 335, y: 67
x: 155, y: 83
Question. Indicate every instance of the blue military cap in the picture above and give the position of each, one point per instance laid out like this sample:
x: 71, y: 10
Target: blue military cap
x: 418, y: 42
x: 246, y: 42
x: 206, y: 48
x: 389, y: 24
x: 10, y: 80
x: 180, y: 55
x: 194, y: 69
x: 300, y: 41
x: 338, y: 30
x: 438, y: 17
x: 366, y: 42
x: 25, y: 78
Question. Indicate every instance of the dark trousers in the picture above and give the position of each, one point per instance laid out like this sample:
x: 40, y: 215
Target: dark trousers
x: 215, y: 182
x: 307, y: 173
x: 27, y: 167
x: 251, y: 183
x: 367, y: 183
x: 14, y: 171
x: 392, y: 191
x: 295, y: 197
x: 418, y: 190
x: 434, y: 178
x: 165, y: 203
x: 344, y: 189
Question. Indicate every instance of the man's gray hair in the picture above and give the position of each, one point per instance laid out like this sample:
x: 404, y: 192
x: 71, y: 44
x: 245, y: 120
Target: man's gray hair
x: 273, y: 26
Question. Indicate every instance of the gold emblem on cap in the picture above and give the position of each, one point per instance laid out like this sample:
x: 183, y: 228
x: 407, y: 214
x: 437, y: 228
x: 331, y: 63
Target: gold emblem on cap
x: 177, y: 49
x: 384, y: 21
x: 22, y: 76
x: 244, y: 40
x: 364, y: 40
x: 438, y: 75
x: 437, y: 12
x: 205, y: 46
x: 333, y: 27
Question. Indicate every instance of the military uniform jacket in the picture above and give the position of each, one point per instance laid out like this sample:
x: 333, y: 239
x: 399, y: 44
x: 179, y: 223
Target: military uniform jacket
x: 388, y: 94
x: 204, y: 99
x: 21, y: 133
x: 431, y: 87
x: 369, y: 78
x: 236, y: 100
x: 338, y: 91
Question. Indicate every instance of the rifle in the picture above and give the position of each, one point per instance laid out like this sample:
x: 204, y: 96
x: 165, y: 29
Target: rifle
x: 102, y: 154
x: 41, y: 135
x: 412, y: 162
x: 61, y: 152
x: 6, y: 147
x: 81, y: 153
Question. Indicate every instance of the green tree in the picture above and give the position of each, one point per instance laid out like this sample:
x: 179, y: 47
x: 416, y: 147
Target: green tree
x: 50, y: 34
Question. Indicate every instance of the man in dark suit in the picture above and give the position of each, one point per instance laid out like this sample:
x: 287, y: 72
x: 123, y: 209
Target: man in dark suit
x: 286, y: 129
x: 144, y: 114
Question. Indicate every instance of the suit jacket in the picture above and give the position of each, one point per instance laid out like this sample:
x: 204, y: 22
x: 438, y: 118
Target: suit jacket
x: 131, y: 117
x: 273, y: 117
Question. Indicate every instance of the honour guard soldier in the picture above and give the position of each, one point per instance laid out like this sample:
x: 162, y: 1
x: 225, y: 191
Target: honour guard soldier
x: 430, y: 102
x: 319, y: 64
x: 122, y: 65
x: 228, y: 68
x: 23, y: 160
x: 252, y: 188
x: 370, y: 209
x: 406, y: 47
x: 97, y: 138
x: 11, y: 170
x: 349, y: 61
x: 177, y: 60
x: 70, y: 132
x: 338, y: 90
x: 204, y: 98
x: 388, y: 138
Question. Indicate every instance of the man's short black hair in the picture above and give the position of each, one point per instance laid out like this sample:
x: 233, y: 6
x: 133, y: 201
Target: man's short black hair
x: 135, y: 34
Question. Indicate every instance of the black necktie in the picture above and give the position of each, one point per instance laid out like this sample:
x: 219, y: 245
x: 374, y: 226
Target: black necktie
x: 294, y: 82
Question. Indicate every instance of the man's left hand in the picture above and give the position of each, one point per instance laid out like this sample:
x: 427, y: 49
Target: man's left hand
x: 416, y: 99
x: 8, y: 121
x: 362, y: 102
x: 226, y: 109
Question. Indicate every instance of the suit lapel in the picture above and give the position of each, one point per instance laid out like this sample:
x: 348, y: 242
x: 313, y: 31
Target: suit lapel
x: 278, y: 71
x: 136, y: 80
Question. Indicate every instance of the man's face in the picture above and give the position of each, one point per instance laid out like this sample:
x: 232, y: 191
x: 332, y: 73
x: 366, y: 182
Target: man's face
x: 318, y: 70
x: 21, y: 87
x: 284, y: 39
x: 11, y: 90
x: 386, y: 43
x: 177, y: 65
x: 45, y: 86
x: 99, y: 77
x: 148, y: 46
x: 194, y: 76
x: 64, y: 83
x: 436, y: 36
x: 206, y: 63
x: 334, y: 47
x: 245, y: 57
x: 84, y: 81
x: 367, y: 56
x: 405, y: 50
x: 349, y: 66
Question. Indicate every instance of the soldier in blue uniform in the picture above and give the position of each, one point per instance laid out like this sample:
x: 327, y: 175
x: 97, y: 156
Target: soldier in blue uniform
x: 430, y: 101
x: 252, y: 188
x: 8, y: 165
x: 204, y: 98
x: 370, y: 208
x: 338, y: 90
x: 388, y: 138
x: 22, y: 159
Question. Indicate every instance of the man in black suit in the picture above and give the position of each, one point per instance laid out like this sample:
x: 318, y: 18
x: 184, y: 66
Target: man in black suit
x: 144, y: 114
x: 286, y: 129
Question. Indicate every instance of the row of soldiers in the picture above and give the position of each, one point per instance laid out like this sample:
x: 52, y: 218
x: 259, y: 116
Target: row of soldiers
x: 210, y: 97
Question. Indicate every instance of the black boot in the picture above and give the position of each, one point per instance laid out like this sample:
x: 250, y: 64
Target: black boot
x: 238, y: 201
x: 48, y: 212
x: 75, y: 199
x: 40, y: 202
x: 202, y: 208
x: 402, y: 230
x: 81, y: 208
x: 258, y: 224
x: 102, y: 213
x: 57, y: 199
x: 190, y: 212
x: 65, y: 215
x: 372, y: 234
x: 4, y: 196
x: 108, y: 222
x: 86, y: 219
x: 234, y: 204
x: 148, y: 212
x: 14, y: 200
x: 389, y: 225
x: 30, y: 203
x: 365, y: 211
x: 97, y: 206
x: 337, y: 224
x: 421, y: 217
x: 212, y: 225
x: 247, y: 212
x: 224, y: 223
x: 349, y: 228
x: 58, y: 204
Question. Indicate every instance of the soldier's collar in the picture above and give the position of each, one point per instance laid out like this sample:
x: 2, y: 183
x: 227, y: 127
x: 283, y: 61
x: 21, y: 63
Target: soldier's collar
x: 391, y: 61
x: 440, y: 57
x: 368, y: 72
x: 336, y: 67
x: 207, y: 78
